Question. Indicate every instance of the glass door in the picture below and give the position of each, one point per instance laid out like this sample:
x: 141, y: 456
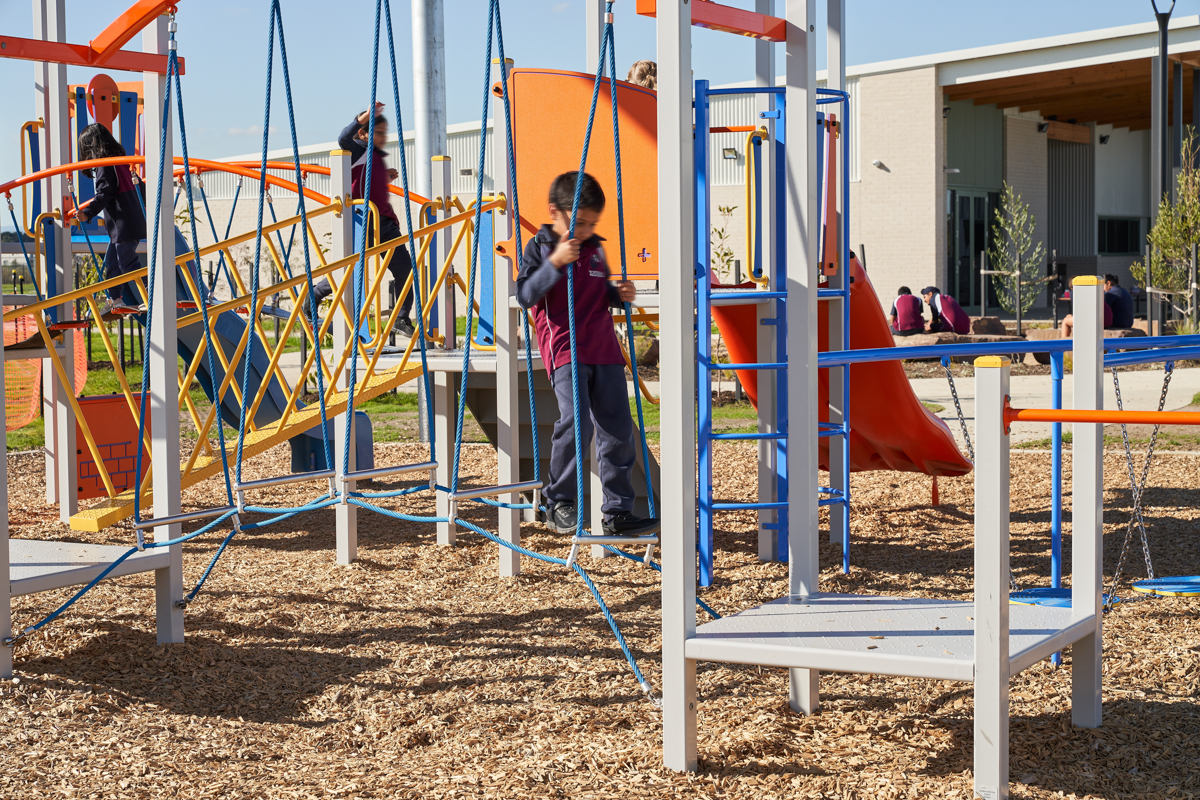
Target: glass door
x: 969, y: 233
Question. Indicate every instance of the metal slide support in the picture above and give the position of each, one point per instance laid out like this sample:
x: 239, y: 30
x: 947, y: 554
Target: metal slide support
x: 1087, y: 500
x: 801, y: 225
x: 677, y: 270
x: 508, y: 359
x: 342, y: 244
x: 444, y: 394
x: 839, y: 513
x: 61, y: 479
x: 163, y: 360
x: 765, y: 254
x: 991, y: 578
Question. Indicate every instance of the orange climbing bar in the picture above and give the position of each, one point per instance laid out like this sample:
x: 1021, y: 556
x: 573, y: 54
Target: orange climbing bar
x: 80, y: 55
x: 733, y: 129
x: 1012, y: 415
x: 716, y: 17
x: 126, y: 26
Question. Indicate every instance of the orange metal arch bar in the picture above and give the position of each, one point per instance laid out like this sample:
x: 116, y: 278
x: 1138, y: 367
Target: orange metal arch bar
x: 126, y: 26
x: 1104, y: 416
x: 728, y: 19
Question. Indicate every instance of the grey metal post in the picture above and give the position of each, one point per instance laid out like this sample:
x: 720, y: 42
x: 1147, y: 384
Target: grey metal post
x: 801, y: 221
x: 59, y: 421
x: 1176, y: 119
x: 991, y: 577
x: 6, y: 653
x: 595, y: 33
x: 983, y: 273
x: 677, y: 274
x: 163, y: 361
x: 508, y: 360
x: 596, y: 500
x: 1017, y: 292
x: 1087, y: 501
x: 429, y: 117
x: 1192, y: 287
x: 1195, y: 107
x: 764, y: 75
x: 341, y: 245
x: 445, y: 395
x: 837, y: 335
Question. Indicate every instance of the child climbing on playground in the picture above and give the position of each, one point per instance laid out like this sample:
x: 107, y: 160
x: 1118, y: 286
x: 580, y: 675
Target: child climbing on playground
x: 117, y: 198
x: 354, y: 138
x: 603, y: 398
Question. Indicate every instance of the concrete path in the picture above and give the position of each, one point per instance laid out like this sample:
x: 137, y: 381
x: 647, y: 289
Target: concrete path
x: 1139, y: 390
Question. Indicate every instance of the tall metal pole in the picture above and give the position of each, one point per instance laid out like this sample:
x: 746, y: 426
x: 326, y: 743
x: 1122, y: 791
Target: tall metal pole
x: 1163, y: 160
x: 677, y: 271
x: 838, y: 513
x: 595, y: 33
x: 429, y: 101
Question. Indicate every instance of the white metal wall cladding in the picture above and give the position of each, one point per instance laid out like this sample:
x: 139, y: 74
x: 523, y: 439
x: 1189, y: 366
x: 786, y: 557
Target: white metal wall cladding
x: 1072, y: 198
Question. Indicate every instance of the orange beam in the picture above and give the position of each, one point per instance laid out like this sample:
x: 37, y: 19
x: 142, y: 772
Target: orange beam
x: 125, y: 27
x: 1111, y: 417
x: 81, y: 55
x: 716, y: 17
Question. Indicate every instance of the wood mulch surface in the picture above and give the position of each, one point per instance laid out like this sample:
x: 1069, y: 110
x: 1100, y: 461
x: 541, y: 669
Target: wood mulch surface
x: 418, y: 673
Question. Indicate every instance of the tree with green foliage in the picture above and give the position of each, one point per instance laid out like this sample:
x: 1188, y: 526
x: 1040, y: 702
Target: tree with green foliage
x: 1175, y: 232
x: 1014, y: 253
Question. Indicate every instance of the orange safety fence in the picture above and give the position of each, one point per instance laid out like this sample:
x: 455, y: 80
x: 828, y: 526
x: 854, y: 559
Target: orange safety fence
x: 23, y: 378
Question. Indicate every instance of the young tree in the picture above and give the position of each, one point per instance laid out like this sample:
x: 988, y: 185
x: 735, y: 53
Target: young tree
x: 1015, y: 255
x: 1175, y: 232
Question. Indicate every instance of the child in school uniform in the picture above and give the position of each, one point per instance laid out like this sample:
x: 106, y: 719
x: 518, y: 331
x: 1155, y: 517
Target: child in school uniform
x: 603, y: 396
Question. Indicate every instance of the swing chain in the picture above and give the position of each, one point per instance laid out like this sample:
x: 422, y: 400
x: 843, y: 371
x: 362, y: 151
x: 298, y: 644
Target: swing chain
x: 1137, y: 488
x: 958, y: 407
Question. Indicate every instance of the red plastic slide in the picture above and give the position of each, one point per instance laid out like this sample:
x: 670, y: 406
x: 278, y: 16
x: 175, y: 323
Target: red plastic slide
x: 889, y: 428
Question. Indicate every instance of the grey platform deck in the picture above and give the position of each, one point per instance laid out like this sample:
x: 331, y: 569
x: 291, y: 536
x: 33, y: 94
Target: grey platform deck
x: 40, y: 566
x: 906, y: 636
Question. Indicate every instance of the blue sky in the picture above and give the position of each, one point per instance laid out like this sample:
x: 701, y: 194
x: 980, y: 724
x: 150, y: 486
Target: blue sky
x: 224, y: 42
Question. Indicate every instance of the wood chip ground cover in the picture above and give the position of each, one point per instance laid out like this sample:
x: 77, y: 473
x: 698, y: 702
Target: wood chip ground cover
x: 418, y: 673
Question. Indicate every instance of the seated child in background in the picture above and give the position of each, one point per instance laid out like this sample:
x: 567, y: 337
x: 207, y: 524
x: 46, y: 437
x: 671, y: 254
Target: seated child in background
x: 117, y: 198
x: 603, y: 397
x: 907, y: 318
x: 947, y: 315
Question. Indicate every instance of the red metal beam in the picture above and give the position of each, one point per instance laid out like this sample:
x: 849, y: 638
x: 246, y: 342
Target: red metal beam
x: 126, y: 26
x: 81, y: 55
x: 716, y: 17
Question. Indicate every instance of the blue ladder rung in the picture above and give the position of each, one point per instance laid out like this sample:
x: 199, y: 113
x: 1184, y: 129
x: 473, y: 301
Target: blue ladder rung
x: 827, y: 434
x: 749, y: 295
x: 828, y: 294
x: 833, y: 501
x: 746, y: 506
x: 831, y: 490
x: 746, y: 436
x: 767, y: 365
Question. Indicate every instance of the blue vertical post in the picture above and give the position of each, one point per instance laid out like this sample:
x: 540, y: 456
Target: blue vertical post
x: 128, y: 121
x: 779, y: 283
x: 704, y: 334
x: 487, y: 266
x: 50, y: 278
x: 847, y: 279
x: 1056, y: 396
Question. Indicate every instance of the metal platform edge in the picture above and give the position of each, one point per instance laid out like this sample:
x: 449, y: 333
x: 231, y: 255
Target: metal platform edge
x: 54, y: 569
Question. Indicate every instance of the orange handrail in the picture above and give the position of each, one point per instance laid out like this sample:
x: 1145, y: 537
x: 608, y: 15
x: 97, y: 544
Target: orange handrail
x: 1101, y: 416
x: 198, y: 165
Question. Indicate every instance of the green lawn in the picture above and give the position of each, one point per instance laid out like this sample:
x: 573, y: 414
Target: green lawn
x: 731, y: 418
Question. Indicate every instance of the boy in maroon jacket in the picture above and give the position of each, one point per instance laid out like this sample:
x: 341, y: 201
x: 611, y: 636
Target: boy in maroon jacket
x: 603, y: 398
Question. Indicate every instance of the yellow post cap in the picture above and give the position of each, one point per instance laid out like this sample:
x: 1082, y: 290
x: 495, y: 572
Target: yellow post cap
x: 506, y: 61
x: 339, y: 152
x: 440, y: 158
x: 1087, y: 280
x: 994, y: 362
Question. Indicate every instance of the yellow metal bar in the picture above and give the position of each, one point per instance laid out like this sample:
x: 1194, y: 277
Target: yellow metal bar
x: 277, y: 352
x: 192, y: 412
x: 334, y: 205
x: 34, y: 124
x: 751, y: 209
x: 134, y: 408
x: 641, y: 383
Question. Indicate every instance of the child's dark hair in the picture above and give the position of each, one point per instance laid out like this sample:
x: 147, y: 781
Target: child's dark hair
x: 562, y: 193
x: 903, y: 291
x: 97, y: 142
x: 380, y: 119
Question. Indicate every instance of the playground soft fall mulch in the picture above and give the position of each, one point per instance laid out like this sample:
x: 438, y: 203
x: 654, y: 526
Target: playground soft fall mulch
x: 418, y: 673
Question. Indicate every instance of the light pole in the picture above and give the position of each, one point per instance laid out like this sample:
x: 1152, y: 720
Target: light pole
x: 1163, y: 157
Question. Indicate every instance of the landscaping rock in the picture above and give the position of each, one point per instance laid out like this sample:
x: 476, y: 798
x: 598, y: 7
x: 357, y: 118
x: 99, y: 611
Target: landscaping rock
x: 988, y: 326
x: 647, y: 348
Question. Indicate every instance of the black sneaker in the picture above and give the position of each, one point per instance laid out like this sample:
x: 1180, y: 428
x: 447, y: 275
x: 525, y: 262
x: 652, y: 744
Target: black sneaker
x: 629, y: 525
x: 563, y: 518
x: 404, y: 327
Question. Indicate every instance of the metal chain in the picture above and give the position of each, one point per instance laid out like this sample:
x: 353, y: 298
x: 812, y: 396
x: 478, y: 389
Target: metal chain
x: 958, y: 407
x: 1137, y: 488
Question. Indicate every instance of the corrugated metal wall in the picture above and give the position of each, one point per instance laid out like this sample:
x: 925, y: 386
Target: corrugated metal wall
x: 1072, y: 198
x: 975, y: 146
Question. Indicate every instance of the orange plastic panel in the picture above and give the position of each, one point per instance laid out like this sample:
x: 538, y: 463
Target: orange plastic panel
x: 550, y: 111
x: 116, y: 434
x: 102, y: 98
x: 889, y: 428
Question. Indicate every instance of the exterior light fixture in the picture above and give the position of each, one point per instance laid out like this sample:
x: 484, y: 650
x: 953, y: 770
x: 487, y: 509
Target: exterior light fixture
x: 945, y: 111
x: 1104, y: 139
x: 1043, y: 127
x: 729, y: 153
x: 951, y: 170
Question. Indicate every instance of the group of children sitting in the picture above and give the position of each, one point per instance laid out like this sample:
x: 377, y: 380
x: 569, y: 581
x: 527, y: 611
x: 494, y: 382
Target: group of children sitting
x: 946, y: 315
x: 541, y: 288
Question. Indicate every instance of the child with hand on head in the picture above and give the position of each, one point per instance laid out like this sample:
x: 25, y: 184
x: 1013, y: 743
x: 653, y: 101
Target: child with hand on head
x: 364, y: 156
x: 603, y: 397
x: 117, y: 198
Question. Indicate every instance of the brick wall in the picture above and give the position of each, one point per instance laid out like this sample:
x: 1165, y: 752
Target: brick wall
x: 898, y: 212
x: 1025, y: 171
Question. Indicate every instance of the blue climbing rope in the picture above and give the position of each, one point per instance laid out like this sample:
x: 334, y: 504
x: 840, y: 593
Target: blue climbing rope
x: 28, y: 261
x: 221, y: 264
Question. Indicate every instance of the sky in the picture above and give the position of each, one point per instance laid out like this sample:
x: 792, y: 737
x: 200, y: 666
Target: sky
x: 329, y: 50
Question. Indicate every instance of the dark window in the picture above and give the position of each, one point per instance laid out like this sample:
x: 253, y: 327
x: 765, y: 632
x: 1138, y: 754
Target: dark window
x: 1120, y: 237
